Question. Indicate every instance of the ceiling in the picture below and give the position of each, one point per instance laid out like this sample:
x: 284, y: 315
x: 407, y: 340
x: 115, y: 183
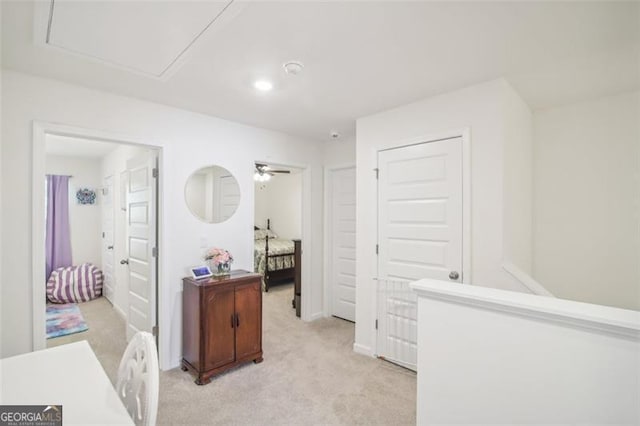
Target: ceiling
x: 155, y: 35
x: 359, y: 57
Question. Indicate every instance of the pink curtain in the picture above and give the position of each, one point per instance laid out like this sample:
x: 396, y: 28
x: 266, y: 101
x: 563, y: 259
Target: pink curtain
x: 58, y: 237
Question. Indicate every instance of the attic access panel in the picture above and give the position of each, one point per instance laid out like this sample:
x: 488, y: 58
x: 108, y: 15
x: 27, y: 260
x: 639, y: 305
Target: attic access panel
x: 141, y: 36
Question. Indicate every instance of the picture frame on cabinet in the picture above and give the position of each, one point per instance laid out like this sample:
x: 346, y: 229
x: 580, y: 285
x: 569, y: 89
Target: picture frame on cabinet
x: 200, y: 272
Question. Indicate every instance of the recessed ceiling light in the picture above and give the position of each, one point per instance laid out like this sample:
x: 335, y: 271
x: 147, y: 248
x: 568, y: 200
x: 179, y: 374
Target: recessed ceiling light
x: 293, y: 67
x: 263, y: 85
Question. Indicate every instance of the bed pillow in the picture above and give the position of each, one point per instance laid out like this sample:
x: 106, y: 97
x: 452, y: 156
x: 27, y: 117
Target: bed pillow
x: 262, y: 234
x: 74, y: 284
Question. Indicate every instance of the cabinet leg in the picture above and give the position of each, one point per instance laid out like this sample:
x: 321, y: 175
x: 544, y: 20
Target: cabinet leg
x: 201, y: 381
x: 258, y: 360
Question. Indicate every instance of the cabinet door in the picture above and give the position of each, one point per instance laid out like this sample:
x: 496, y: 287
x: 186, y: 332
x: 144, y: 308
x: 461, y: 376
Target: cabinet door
x: 219, y: 328
x: 249, y: 319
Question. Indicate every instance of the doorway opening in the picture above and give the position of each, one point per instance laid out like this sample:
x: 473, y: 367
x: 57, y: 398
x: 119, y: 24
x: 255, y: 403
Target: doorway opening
x: 95, y: 263
x: 278, y: 232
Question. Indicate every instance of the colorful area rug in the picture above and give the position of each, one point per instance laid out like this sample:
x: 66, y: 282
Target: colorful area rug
x: 64, y: 319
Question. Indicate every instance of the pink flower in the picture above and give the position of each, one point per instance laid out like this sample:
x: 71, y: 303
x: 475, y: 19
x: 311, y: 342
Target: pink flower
x: 218, y: 256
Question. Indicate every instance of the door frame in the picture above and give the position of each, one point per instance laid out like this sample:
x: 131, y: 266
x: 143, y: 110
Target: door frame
x: 103, y: 250
x: 327, y: 238
x: 40, y: 130
x: 465, y: 135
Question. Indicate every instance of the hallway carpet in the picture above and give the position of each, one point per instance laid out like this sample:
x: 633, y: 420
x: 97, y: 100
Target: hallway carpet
x: 310, y: 375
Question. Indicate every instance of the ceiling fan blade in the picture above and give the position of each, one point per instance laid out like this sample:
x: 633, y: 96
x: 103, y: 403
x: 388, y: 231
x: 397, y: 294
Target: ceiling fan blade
x: 264, y: 168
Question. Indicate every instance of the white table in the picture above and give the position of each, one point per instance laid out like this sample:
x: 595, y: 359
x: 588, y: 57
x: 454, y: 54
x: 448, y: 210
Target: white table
x: 69, y: 375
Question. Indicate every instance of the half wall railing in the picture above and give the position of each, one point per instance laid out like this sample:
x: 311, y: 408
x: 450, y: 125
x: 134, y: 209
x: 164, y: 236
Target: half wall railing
x: 489, y: 356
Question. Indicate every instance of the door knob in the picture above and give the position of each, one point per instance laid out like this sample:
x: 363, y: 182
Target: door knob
x: 124, y: 262
x: 109, y: 247
x: 454, y: 275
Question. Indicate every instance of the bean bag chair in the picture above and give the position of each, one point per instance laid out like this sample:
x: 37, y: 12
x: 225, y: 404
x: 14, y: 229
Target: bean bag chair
x: 74, y: 284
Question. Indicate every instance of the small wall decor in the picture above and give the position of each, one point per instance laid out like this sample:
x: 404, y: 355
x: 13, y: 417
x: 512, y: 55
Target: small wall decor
x: 86, y: 196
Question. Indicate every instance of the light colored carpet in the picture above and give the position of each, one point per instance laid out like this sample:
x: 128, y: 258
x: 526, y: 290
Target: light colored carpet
x: 106, y: 334
x: 310, y: 375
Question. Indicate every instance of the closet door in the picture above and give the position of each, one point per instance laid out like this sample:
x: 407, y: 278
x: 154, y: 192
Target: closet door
x: 219, y: 328
x: 419, y: 235
x: 248, y: 319
x: 342, y: 234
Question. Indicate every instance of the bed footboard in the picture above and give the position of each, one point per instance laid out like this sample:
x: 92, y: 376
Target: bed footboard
x: 273, y: 276
x: 297, y: 286
x: 294, y: 273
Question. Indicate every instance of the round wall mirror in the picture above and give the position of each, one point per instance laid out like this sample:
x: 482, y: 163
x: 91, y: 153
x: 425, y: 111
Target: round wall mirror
x: 212, y: 194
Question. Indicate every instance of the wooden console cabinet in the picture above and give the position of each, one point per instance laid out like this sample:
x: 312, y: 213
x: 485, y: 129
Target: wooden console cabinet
x: 221, y: 323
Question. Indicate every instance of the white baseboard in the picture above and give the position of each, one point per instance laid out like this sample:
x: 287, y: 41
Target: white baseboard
x: 120, y: 312
x: 316, y: 316
x: 362, y: 349
x: 173, y: 365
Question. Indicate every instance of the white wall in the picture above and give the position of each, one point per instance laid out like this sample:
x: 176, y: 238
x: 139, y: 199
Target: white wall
x: 481, y: 110
x: 487, y: 356
x: 85, y: 221
x: 280, y: 199
x: 188, y: 141
x: 518, y: 182
x: 587, y: 201
x: 114, y: 164
x: 261, y: 207
x: 340, y: 152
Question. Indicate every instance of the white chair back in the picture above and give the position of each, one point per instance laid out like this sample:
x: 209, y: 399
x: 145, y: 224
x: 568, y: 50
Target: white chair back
x: 138, y: 379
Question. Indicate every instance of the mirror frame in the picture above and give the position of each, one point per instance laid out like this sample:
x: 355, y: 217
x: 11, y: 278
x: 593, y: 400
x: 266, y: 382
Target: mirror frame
x: 210, y: 211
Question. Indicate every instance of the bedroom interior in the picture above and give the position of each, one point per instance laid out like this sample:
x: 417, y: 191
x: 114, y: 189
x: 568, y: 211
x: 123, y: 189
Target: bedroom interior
x: 89, y: 231
x: 278, y: 248
x: 494, y: 153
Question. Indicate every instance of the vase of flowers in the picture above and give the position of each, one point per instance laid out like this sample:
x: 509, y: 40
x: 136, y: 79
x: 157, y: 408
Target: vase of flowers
x: 219, y: 261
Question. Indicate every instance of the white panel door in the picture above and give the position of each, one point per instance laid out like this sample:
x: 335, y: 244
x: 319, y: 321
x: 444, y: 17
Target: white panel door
x: 141, y: 242
x: 343, y: 243
x: 419, y: 235
x: 108, y: 225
